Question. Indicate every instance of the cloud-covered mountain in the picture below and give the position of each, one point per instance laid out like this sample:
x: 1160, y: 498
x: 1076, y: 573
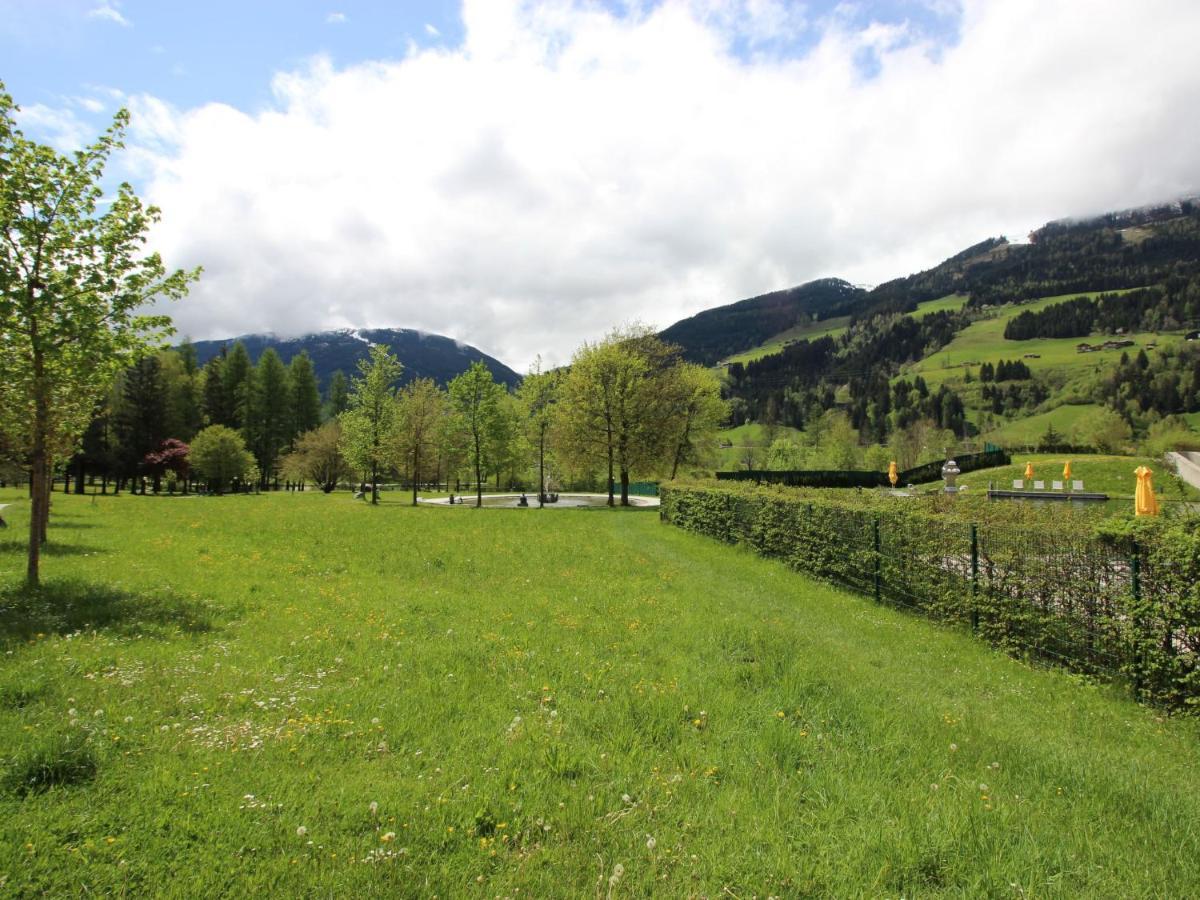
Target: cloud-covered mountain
x: 423, y: 355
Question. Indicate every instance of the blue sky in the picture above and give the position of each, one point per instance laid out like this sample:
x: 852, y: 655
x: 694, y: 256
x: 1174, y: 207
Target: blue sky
x: 191, y: 53
x: 524, y: 175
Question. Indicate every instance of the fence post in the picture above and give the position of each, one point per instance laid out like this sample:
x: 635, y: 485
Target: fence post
x: 974, y: 577
x: 878, y: 558
x: 1135, y: 583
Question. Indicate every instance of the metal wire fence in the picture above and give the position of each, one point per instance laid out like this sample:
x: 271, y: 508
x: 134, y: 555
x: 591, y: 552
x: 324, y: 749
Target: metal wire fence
x: 1105, y: 608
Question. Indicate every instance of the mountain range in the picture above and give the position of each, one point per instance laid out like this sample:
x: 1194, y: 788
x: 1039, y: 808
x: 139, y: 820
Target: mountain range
x: 423, y: 355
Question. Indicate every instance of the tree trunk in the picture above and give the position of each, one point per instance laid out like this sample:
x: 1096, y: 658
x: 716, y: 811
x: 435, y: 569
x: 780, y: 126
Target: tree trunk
x: 478, y: 477
x: 542, y: 470
x: 374, y: 485
x: 37, y: 486
x: 624, y: 486
x: 79, y: 476
x: 416, y: 468
x: 610, y: 477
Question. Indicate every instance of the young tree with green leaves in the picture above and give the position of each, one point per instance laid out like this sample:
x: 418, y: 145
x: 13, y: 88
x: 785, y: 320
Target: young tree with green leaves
x: 697, y: 411
x: 422, y: 408
x: 615, y: 409
x: 318, y: 457
x: 508, y: 450
x: 219, y: 455
x: 369, y: 424
x: 72, y: 285
x: 538, y: 394
x: 475, y: 398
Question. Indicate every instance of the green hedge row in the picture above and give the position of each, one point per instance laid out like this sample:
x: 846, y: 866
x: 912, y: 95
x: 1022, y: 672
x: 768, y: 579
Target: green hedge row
x: 1116, y: 604
x: 853, y: 478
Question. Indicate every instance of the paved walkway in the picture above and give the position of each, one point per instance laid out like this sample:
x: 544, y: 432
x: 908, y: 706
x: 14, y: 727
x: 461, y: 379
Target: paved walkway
x: 1187, y: 465
x: 469, y: 499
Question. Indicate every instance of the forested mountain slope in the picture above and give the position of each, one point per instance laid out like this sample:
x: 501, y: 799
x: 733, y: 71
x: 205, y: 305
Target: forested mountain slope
x: 423, y: 355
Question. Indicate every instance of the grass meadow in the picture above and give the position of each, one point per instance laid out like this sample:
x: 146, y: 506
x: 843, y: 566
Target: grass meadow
x: 983, y: 341
x: 1104, y: 474
x: 301, y: 695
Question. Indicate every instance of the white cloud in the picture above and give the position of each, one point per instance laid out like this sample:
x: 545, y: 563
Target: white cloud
x: 431, y: 30
x: 108, y: 11
x: 61, y: 127
x: 335, y: 18
x: 565, y: 170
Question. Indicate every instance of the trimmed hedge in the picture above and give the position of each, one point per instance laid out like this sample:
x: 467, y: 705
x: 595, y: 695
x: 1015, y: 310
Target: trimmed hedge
x: 858, y: 478
x: 1115, y: 604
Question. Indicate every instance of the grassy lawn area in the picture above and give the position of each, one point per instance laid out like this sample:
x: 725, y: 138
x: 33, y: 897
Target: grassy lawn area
x: 300, y: 695
x: 1112, y: 475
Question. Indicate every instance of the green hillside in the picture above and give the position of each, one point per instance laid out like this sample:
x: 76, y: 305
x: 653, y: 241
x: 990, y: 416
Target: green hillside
x: 810, y: 331
x: 1029, y: 430
x: 750, y: 438
x: 983, y: 341
x: 949, y: 303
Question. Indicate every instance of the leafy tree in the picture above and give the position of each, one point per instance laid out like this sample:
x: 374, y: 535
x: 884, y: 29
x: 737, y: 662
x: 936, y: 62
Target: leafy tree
x: 220, y: 456
x: 318, y: 457
x: 786, y: 454
x: 171, y: 456
x: 1104, y: 430
x: 305, y: 402
x: 268, y: 416
x: 507, y: 448
x: 72, y: 283
x: 839, y: 443
x: 615, y: 410
x: 422, y: 408
x: 339, y: 394
x: 475, y: 398
x: 369, y: 424
x: 697, y: 412
x: 538, y: 394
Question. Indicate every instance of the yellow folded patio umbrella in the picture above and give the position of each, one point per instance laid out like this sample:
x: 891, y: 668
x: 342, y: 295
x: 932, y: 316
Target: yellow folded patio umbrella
x: 893, y: 474
x: 1028, y: 470
x: 1144, y: 501
x: 1067, y: 470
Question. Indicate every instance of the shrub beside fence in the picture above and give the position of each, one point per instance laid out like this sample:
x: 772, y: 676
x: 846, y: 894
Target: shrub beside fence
x: 1117, y: 604
x: 857, y: 478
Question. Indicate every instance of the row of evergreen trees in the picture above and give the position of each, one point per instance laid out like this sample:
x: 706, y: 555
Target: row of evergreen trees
x: 167, y: 395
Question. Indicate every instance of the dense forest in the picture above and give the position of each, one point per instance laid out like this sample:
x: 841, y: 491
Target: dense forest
x: 1173, y: 305
x: 803, y: 380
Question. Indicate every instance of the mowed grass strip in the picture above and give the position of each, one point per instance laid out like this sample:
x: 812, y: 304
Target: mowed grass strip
x: 210, y: 694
